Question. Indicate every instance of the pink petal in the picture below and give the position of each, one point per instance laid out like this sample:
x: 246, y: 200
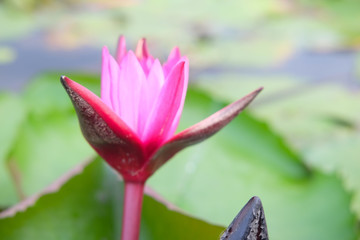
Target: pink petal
x: 149, y: 93
x: 132, y: 78
x: 173, y: 58
x: 146, y: 64
x: 110, y: 81
x: 177, y: 117
x: 145, y: 58
x: 155, y: 80
x: 106, y: 78
x: 121, y: 49
x: 106, y: 132
x: 198, y: 132
x: 166, y: 112
x: 142, y: 51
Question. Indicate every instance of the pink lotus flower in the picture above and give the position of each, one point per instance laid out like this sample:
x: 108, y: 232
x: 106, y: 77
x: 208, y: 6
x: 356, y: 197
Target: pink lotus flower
x: 132, y: 126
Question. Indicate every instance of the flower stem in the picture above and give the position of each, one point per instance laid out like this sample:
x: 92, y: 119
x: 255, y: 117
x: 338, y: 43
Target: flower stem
x: 133, y: 198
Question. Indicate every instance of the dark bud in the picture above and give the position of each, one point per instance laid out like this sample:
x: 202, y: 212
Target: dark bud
x: 249, y: 224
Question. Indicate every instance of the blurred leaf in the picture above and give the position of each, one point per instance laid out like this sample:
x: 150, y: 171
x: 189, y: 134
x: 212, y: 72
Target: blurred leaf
x: 12, y: 114
x: 46, y: 148
x: 20, y: 23
x: 239, y: 163
x: 339, y: 14
x: 50, y: 142
x: 88, y: 206
x: 341, y: 155
x: 321, y: 121
x: 158, y: 222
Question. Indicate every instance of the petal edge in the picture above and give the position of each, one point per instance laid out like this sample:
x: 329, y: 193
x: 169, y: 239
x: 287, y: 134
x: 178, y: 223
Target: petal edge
x: 111, y: 138
x: 200, y: 131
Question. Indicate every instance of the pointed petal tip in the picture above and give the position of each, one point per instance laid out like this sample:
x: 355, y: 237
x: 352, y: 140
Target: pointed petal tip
x: 121, y: 38
x: 260, y: 89
x: 105, y: 50
x: 142, y: 49
x: 181, y: 63
x: 105, y: 54
x: 131, y: 57
x: 67, y: 82
x: 184, y: 59
x: 120, y: 49
x: 249, y: 223
x: 64, y: 80
x: 143, y: 40
x: 256, y: 92
x: 131, y: 53
x: 175, y: 52
x: 247, y: 99
x: 255, y: 201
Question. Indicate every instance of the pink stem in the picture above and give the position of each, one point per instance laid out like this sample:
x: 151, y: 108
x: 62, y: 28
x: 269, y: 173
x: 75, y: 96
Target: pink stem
x: 133, y: 198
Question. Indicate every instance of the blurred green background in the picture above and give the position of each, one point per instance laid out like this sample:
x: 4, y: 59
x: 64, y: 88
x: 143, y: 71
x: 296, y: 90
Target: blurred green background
x: 297, y: 147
